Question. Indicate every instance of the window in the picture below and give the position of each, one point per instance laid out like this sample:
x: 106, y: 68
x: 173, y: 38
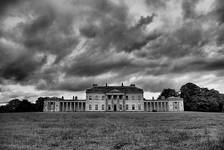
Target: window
x: 90, y: 107
x: 139, y: 97
x: 139, y: 106
x: 102, y: 107
x: 90, y: 97
x: 120, y: 107
x: 120, y: 96
x: 126, y: 107
x: 102, y: 97
x: 126, y: 97
x: 133, y: 107
x: 52, y: 103
x: 109, y: 107
x: 96, y: 97
x: 133, y: 97
x: 96, y: 107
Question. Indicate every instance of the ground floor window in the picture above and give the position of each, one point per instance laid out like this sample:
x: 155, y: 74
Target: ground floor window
x: 126, y: 107
x: 133, y: 107
x: 139, y: 106
x: 120, y: 107
x: 102, y: 107
x: 90, y: 107
x: 109, y: 107
x: 96, y: 107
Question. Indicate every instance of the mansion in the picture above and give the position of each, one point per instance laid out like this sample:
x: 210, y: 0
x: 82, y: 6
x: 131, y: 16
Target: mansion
x: 113, y: 98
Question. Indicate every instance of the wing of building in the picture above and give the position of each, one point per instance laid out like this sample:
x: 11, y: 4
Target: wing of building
x: 111, y: 99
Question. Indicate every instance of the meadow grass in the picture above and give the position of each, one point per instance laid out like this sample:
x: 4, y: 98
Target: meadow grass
x: 105, y: 131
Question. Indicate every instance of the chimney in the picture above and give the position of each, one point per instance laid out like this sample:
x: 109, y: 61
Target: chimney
x: 76, y: 98
x: 106, y: 84
x: 122, y: 84
x: 62, y: 97
x: 73, y: 97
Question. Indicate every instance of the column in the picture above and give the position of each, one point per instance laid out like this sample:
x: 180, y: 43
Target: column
x: 73, y: 105
x: 154, y: 105
x: 106, y: 103
x: 70, y: 106
x: 123, y: 100
x: 82, y: 106
x: 159, y: 106
x: 162, y: 106
x: 112, y: 103
x: 165, y: 106
x: 66, y: 106
x: 146, y: 106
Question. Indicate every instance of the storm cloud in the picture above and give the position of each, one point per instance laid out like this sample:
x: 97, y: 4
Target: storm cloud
x: 60, y: 45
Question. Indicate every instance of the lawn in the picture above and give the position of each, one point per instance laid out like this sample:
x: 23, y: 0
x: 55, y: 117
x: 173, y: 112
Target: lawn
x: 104, y: 131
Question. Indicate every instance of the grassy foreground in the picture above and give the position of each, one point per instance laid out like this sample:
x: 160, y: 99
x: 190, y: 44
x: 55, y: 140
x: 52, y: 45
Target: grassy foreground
x: 104, y: 131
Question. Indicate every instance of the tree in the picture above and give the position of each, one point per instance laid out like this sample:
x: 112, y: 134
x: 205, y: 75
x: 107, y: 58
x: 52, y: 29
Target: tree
x: 25, y: 106
x: 40, y: 103
x: 167, y: 93
x: 201, y: 99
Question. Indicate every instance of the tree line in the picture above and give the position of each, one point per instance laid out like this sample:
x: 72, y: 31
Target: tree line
x: 195, y: 99
x: 17, y: 105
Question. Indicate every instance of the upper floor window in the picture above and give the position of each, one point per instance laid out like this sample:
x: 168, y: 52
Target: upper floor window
x: 96, y: 97
x: 126, y: 97
x: 102, y: 107
x: 139, y: 97
x: 96, y: 107
x: 103, y: 97
x: 133, y: 97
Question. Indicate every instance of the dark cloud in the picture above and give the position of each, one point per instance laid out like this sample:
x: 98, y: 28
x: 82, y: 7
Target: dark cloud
x: 5, y: 4
x: 21, y: 68
x: 50, y: 33
x: 219, y: 10
x: 156, y: 3
x: 45, y: 48
x: 188, y: 7
x: 144, y: 21
x: 113, y: 33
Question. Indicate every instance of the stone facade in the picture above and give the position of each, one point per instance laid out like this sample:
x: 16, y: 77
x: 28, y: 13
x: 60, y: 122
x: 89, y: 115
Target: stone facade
x: 114, y: 98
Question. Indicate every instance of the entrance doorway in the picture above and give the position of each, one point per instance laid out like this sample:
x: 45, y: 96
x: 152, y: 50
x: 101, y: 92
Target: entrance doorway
x: 115, y: 107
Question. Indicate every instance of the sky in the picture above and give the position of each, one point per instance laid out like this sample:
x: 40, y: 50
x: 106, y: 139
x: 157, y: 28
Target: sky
x: 61, y: 47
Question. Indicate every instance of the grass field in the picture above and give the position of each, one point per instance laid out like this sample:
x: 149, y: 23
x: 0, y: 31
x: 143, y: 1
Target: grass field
x: 104, y: 131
